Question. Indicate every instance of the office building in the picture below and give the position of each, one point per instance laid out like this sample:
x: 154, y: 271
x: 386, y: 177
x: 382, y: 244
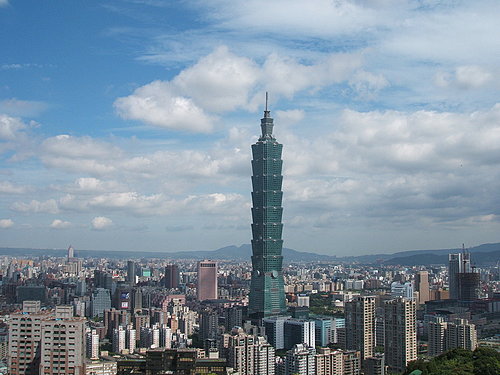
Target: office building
x: 323, y: 327
x: 275, y: 330
x: 171, y: 276
x: 402, y: 290
x: 422, y: 287
x: 131, y: 272
x: 457, y: 263
x: 468, y: 286
x: 100, y: 300
x: 360, y: 325
x: 207, y: 280
x: 299, y: 331
x: 267, y: 293
x: 400, y: 333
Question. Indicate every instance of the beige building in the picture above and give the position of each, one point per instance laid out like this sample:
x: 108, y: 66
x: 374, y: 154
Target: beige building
x: 360, y: 325
x: 46, y: 342
x: 445, y: 336
x: 422, y: 287
x: 400, y: 333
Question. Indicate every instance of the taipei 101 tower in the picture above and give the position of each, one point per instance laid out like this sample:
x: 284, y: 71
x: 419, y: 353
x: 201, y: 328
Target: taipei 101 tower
x: 267, y: 294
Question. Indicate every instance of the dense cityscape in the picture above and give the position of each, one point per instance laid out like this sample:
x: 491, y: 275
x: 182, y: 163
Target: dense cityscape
x: 150, y: 224
x: 100, y: 316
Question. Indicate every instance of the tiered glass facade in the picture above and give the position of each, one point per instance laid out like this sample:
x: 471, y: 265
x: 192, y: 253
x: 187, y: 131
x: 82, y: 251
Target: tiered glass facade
x: 267, y: 294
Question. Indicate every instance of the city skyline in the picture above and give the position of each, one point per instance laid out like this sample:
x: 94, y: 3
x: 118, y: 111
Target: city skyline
x: 125, y: 125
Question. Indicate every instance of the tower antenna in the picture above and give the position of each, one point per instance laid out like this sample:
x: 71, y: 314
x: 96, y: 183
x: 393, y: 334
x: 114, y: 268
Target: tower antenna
x: 266, y: 112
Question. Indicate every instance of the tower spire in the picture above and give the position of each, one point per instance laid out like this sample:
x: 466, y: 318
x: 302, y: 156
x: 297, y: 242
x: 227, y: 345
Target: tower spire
x: 266, y: 123
x: 266, y: 111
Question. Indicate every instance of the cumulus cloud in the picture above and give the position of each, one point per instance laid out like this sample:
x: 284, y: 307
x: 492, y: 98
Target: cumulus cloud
x: 159, y: 104
x: 101, y: 223
x: 60, y: 224
x: 6, y: 223
x: 223, y: 81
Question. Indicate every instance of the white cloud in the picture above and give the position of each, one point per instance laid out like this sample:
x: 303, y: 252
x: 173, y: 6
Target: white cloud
x: 16, y: 107
x: 83, y: 154
x: 7, y: 187
x: 60, y: 224
x: 49, y: 206
x: 4, y: 3
x: 464, y: 77
x: 222, y: 82
x: 101, y: 223
x: 472, y: 76
x: 10, y: 127
x: 158, y: 104
x: 6, y: 223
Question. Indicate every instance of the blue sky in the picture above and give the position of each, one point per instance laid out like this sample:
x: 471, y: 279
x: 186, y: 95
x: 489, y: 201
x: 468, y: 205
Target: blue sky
x: 127, y: 124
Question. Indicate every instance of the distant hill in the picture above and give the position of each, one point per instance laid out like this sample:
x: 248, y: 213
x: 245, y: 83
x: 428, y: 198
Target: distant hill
x: 237, y: 253
x: 438, y: 256
x: 482, y: 254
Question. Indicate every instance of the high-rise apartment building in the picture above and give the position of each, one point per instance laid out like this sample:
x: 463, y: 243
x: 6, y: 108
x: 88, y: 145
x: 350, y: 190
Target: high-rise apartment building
x: 207, y: 280
x: 360, y: 325
x: 422, y: 287
x: 300, y: 360
x: 400, y: 333
x: 444, y: 336
x: 25, y: 332
x: 92, y: 344
x: 461, y: 334
x: 171, y: 276
x: 267, y: 293
x: 46, y: 342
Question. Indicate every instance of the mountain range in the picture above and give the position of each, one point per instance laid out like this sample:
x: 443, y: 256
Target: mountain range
x: 482, y: 254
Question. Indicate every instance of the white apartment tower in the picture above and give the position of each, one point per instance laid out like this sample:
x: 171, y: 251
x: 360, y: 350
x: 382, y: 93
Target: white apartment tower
x: 360, y: 325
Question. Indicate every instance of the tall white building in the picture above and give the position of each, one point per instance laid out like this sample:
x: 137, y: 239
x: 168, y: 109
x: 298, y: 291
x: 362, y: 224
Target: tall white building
x: 400, y: 333
x: 92, y: 339
x: 300, y: 360
x: 360, y: 325
x: 402, y: 290
x: 119, y: 339
x: 299, y: 331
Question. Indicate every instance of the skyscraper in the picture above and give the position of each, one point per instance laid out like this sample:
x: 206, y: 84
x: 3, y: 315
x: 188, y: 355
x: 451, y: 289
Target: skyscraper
x: 171, y: 276
x: 267, y: 293
x: 360, y: 325
x: 422, y: 286
x: 131, y: 272
x: 400, y: 333
x: 458, y: 263
x: 207, y: 280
